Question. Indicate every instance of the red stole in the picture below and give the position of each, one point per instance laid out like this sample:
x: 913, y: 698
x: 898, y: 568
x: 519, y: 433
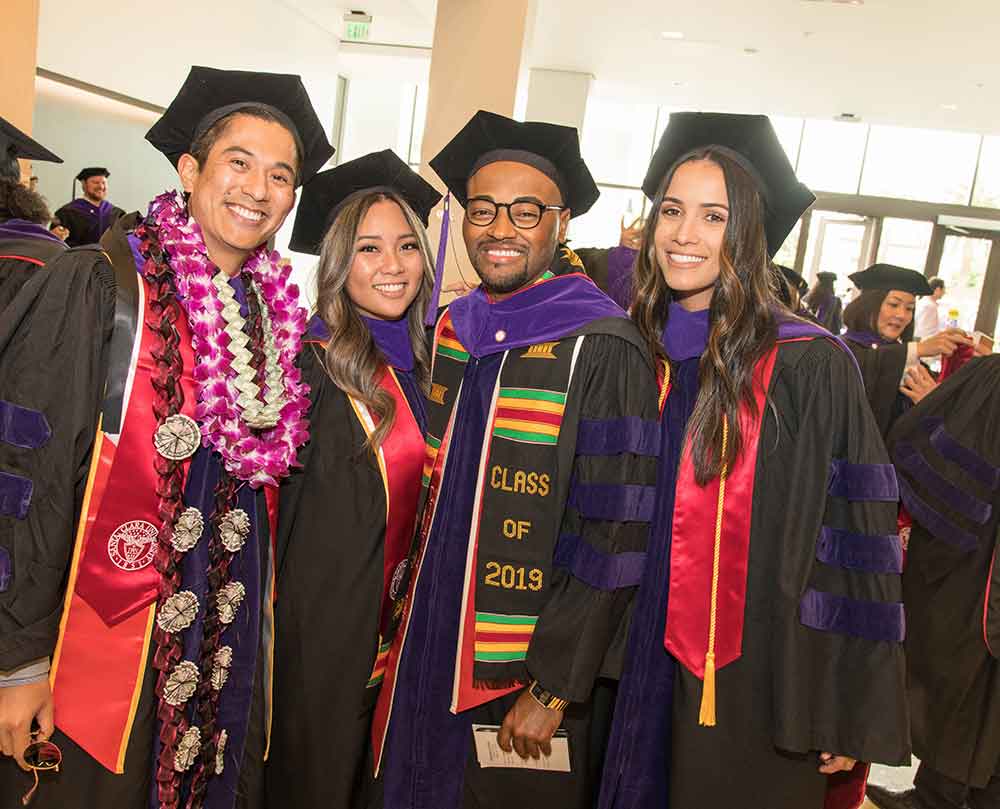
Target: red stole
x: 100, y: 656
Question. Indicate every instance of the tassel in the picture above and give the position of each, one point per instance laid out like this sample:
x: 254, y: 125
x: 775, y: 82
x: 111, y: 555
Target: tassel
x: 706, y: 717
x: 430, y: 317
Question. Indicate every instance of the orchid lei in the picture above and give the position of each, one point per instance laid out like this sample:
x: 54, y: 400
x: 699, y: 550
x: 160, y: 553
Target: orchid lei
x: 227, y: 409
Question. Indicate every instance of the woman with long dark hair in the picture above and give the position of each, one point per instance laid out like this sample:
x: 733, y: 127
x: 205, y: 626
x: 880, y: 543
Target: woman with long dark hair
x: 342, y: 550
x: 765, y: 649
x: 880, y: 333
x: 824, y: 304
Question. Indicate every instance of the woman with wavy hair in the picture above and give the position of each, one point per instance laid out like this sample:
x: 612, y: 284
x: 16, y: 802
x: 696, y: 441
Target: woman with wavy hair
x: 824, y: 304
x: 764, y: 654
x: 352, y: 506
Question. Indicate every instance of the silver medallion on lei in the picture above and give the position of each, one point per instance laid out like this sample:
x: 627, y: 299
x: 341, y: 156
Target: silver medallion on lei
x: 177, y: 438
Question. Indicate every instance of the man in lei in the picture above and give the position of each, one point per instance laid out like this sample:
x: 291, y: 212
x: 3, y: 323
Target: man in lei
x: 537, y: 488
x: 159, y: 647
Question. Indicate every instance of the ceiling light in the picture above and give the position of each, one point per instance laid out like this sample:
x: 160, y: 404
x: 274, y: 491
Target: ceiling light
x: 672, y: 34
x: 951, y: 107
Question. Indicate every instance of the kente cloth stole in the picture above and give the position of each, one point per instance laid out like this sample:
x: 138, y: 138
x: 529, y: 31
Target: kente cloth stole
x: 515, y: 520
x: 100, y: 656
x: 400, y: 462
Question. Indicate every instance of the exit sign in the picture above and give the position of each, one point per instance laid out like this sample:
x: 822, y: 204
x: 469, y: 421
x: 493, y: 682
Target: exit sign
x: 357, y: 31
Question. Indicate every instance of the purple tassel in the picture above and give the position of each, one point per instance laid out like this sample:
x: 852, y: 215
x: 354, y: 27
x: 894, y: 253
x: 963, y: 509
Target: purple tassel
x: 432, y: 305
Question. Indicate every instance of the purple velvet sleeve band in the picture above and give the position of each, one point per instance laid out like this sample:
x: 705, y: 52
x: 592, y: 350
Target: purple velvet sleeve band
x: 930, y: 518
x: 615, y: 436
x: 602, y: 571
x: 6, y: 570
x: 23, y: 427
x: 873, y: 620
x: 872, y: 554
x: 613, y: 502
x: 978, y: 467
x: 907, y: 458
x: 15, y: 495
x: 863, y: 481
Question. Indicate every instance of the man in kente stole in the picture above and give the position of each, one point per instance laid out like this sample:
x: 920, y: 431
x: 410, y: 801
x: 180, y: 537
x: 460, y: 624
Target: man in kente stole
x: 154, y: 620
x: 539, y: 472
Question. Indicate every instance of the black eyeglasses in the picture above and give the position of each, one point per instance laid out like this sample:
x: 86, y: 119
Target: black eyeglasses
x: 523, y: 214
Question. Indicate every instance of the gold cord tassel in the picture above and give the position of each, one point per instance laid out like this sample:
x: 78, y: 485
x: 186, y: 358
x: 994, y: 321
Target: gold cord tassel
x: 706, y: 716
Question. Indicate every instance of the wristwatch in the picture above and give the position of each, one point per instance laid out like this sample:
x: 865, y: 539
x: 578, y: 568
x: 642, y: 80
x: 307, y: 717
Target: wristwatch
x: 546, y: 698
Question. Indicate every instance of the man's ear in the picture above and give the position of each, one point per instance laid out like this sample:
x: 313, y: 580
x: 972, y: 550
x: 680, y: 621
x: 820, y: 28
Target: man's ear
x: 564, y: 217
x: 188, y: 170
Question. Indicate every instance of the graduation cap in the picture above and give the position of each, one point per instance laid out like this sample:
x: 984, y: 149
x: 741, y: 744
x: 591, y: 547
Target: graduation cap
x: 95, y: 171
x: 829, y: 277
x: 751, y: 141
x: 796, y: 281
x: 325, y: 194
x: 208, y: 95
x: 889, y: 276
x: 490, y: 138
x: 14, y: 143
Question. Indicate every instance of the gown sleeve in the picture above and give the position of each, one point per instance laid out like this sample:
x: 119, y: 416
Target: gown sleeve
x: 882, y: 370
x: 601, y: 550
x: 840, y: 673
x: 54, y: 340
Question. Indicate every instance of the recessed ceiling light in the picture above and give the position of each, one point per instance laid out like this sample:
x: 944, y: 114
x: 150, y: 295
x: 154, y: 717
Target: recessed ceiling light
x: 750, y: 51
x: 678, y: 84
x: 951, y: 107
x: 672, y: 34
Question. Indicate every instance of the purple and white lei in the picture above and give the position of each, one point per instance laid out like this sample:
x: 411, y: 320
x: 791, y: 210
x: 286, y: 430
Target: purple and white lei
x: 256, y: 456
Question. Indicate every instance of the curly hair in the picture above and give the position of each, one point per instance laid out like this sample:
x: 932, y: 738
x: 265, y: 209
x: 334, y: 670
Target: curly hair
x: 18, y: 202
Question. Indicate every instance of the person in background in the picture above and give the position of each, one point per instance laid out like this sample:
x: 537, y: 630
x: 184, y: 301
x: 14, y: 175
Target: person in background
x: 947, y: 455
x: 25, y: 243
x: 790, y: 288
x: 764, y: 657
x: 352, y: 507
x: 536, y: 497
x: 928, y: 321
x: 33, y: 184
x: 160, y: 406
x: 89, y: 216
x: 880, y: 333
x: 824, y: 304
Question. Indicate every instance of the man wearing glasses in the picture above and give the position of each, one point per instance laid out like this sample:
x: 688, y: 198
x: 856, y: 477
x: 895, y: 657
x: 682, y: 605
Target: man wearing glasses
x: 537, y: 487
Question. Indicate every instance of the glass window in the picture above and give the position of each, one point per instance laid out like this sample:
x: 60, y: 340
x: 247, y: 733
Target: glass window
x: 786, y: 253
x: 838, y: 243
x: 601, y: 225
x: 618, y: 140
x: 905, y: 243
x: 419, y: 122
x: 922, y: 164
x: 831, y: 155
x: 987, y: 190
x: 963, y: 268
x: 789, y: 132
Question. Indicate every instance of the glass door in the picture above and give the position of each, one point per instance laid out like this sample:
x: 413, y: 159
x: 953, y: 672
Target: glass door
x: 838, y: 243
x: 963, y: 268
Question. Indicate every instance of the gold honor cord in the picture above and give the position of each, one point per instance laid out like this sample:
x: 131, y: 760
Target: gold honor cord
x: 706, y: 716
x: 664, y: 386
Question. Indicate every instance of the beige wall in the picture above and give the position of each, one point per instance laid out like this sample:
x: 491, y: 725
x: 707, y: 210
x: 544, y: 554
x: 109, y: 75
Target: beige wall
x: 17, y: 64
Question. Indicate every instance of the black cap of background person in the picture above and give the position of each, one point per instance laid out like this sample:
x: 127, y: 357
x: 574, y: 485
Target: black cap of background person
x: 16, y: 144
x: 751, y: 141
x: 794, y: 279
x: 209, y: 94
x: 490, y: 138
x: 889, y: 276
x: 326, y: 193
x: 829, y: 277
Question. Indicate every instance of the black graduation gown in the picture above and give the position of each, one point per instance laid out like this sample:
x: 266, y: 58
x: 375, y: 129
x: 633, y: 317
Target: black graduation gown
x: 19, y: 258
x: 797, y: 691
x: 882, y: 370
x: 954, y: 682
x: 329, y: 588
x: 85, y: 227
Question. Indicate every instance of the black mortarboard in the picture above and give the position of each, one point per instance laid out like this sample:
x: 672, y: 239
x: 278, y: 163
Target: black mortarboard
x: 796, y: 281
x: 889, y: 276
x: 324, y: 194
x: 209, y: 94
x: 749, y: 139
x: 830, y: 277
x: 14, y: 143
x: 552, y: 149
x: 93, y: 171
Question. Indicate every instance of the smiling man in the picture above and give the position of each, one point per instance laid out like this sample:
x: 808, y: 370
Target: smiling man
x: 89, y: 216
x: 154, y: 430
x: 536, y: 498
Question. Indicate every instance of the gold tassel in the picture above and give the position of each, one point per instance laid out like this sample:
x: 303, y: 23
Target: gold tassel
x: 706, y: 717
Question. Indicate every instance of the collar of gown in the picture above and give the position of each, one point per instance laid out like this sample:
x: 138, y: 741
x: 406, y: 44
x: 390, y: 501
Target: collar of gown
x: 686, y: 333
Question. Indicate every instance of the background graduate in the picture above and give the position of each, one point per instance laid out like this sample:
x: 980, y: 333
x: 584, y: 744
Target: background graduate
x: 880, y: 333
x: 156, y: 610
x: 89, y: 216
x: 538, y: 482
x: 765, y: 649
x: 824, y: 304
x: 352, y: 506
x: 947, y: 455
